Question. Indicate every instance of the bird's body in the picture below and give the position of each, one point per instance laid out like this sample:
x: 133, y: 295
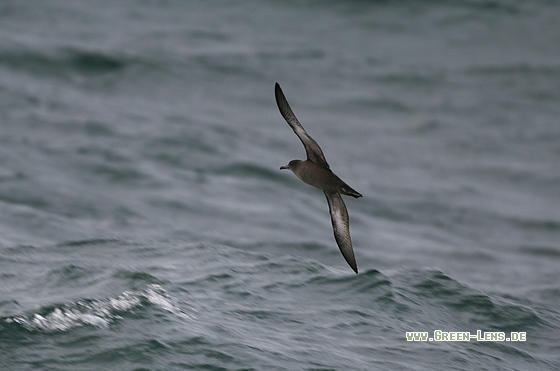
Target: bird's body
x: 316, y: 171
x: 320, y: 177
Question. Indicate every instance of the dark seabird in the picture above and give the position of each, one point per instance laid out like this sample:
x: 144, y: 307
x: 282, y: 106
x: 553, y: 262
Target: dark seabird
x: 316, y: 171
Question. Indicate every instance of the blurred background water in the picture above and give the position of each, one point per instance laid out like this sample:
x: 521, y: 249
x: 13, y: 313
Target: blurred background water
x: 144, y: 224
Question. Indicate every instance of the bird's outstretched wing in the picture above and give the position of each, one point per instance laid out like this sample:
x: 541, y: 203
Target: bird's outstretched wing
x: 314, y: 152
x: 341, y: 227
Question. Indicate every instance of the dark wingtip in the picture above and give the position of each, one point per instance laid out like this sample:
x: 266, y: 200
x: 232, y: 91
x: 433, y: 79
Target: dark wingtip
x: 352, y: 264
x: 280, y: 99
x: 351, y: 260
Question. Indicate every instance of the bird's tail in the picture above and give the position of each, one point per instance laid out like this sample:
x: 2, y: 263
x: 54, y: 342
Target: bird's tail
x: 349, y: 191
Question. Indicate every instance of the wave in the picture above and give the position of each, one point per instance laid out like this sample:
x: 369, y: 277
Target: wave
x: 64, y: 60
x: 505, y: 7
x: 519, y: 69
x: 97, y: 312
x: 436, y: 289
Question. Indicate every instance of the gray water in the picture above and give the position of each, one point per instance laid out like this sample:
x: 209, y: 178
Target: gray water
x: 144, y: 224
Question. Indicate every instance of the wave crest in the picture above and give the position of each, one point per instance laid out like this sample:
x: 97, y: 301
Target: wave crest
x: 98, y: 312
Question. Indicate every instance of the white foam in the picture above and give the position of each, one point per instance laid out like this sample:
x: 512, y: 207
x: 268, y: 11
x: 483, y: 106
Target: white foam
x: 158, y: 296
x: 99, y: 313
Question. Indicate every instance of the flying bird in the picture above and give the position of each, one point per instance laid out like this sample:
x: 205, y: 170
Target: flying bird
x: 316, y: 171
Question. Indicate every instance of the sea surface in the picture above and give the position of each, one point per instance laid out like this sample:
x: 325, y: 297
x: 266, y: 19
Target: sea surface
x: 145, y: 224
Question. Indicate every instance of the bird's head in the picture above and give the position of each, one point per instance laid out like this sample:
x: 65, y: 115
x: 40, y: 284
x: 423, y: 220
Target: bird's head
x: 292, y: 165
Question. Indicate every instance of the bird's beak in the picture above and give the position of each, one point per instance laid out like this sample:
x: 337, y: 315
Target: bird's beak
x: 284, y: 167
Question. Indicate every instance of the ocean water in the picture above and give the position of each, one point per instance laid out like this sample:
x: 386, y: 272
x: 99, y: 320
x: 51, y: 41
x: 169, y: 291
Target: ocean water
x: 144, y: 224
